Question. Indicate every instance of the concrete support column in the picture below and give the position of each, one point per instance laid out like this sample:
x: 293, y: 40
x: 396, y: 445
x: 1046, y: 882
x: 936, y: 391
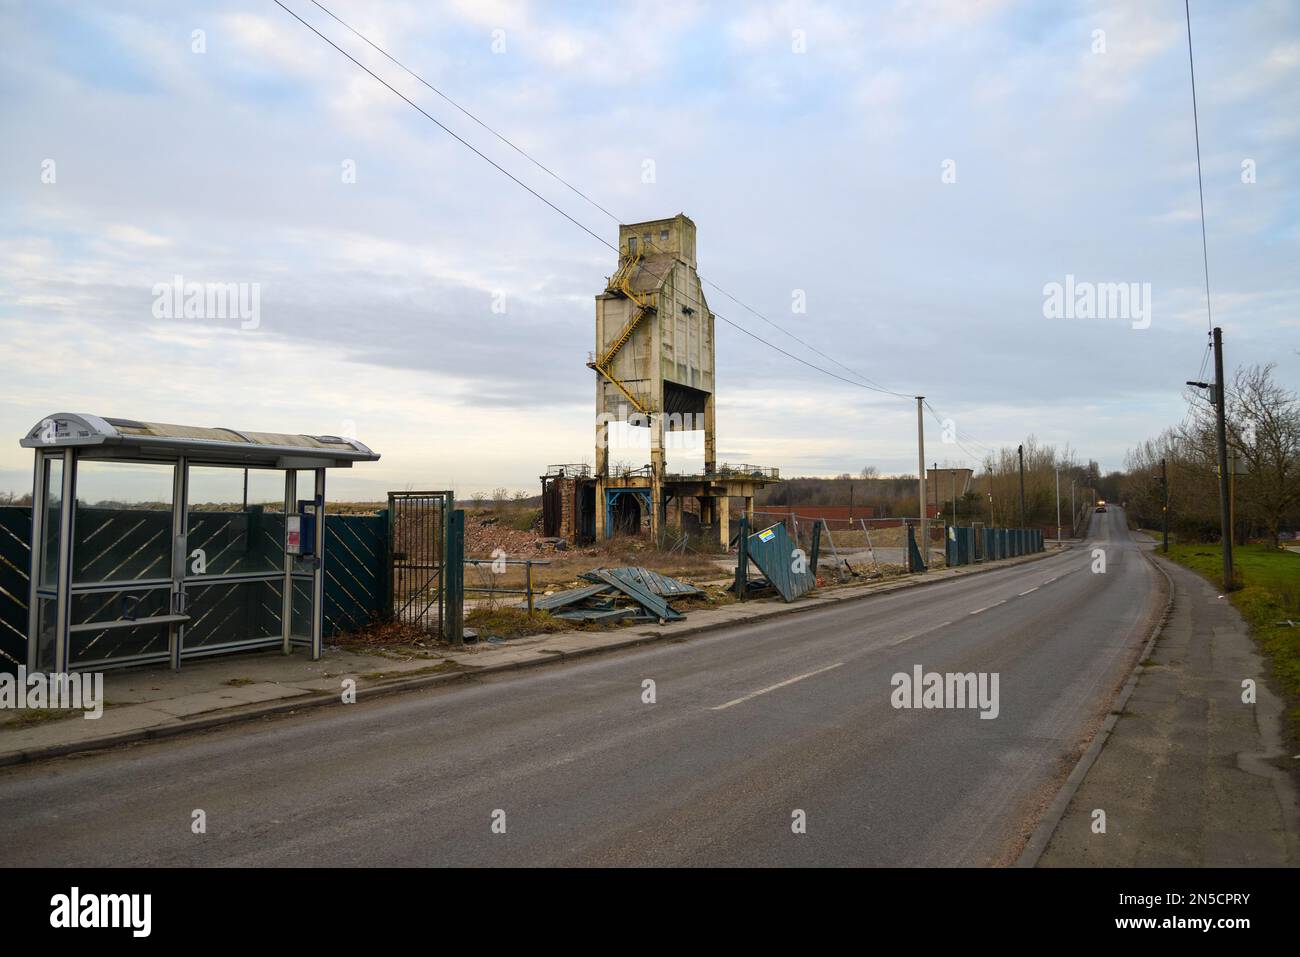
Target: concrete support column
x: 656, y: 475
x: 749, y: 511
x: 600, y: 510
x: 602, y: 463
x: 724, y: 520
x: 710, y: 438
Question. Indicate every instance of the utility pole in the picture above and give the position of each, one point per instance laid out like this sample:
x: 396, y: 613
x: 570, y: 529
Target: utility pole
x: 953, y: 475
x: 920, y: 480
x: 1074, y: 515
x: 1224, y: 500
x: 1020, y: 450
x: 1164, y: 505
x: 1232, y: 494
x: 1058, y: 505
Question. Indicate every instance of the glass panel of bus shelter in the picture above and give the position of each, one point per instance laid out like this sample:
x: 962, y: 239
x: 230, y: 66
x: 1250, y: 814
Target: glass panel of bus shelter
x: 223, y: 613
x: 303, y: 565
x: 123, y: 523
x: 46, y: 611
x: 235, y: 529
x: 53, y: 521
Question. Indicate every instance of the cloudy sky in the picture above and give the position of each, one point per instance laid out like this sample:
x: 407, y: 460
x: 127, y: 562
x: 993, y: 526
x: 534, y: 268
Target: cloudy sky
x: 918, y: 171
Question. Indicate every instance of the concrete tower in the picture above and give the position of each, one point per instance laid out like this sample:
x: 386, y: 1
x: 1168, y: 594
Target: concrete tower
x: 654, y: 360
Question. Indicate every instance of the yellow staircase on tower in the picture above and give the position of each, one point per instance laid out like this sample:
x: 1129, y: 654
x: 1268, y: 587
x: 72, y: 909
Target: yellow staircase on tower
x: 621, y: 283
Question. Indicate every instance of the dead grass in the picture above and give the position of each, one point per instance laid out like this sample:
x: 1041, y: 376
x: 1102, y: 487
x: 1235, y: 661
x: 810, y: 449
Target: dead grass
x: 31, y: 717
x: 430, y: 670
x: 513, y: 622
x: 384, y: 633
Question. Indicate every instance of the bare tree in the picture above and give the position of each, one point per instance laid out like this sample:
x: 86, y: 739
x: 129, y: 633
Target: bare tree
x: 1263, y: 425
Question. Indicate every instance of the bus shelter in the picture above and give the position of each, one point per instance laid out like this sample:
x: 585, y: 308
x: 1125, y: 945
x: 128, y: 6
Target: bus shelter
x: 117, y: 582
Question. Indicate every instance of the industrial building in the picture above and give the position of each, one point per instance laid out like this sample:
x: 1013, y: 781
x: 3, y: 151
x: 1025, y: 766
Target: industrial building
x: 654, y: 362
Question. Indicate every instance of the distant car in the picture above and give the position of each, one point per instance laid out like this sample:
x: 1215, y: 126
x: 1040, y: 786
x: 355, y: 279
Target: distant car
x: 1101, y: 508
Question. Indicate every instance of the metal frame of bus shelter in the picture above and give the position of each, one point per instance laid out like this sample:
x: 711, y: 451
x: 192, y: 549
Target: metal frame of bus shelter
x: 69, y: 438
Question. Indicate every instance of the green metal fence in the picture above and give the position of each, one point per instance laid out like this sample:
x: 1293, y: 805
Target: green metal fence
x: 356, y: 571
x: 356, y: 575
x: 15, y: 560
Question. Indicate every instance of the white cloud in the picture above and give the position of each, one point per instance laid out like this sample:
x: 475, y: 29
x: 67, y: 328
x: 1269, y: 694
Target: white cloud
x: 134, y: 235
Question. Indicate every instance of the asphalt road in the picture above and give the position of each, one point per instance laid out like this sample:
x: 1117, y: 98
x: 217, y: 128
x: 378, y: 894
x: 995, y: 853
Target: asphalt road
x: 749, y: 726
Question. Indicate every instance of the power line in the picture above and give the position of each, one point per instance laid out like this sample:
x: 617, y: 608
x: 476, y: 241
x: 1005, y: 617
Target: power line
x: 468, y: 145
x: 1205, y: 360
x: 534, y: 192
x: 502, y: 138
x: 867, y: 383
x: 685, y: 293
x: 751, y: 309
x: 958, y: 435
x: 810, y: 365
x: 877, y: 387
x: 1200, y: 187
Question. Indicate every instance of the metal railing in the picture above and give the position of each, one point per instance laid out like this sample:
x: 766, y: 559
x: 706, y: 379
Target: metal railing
x: 727, y: 470
x: 494, y: 564
x: 578, y: 470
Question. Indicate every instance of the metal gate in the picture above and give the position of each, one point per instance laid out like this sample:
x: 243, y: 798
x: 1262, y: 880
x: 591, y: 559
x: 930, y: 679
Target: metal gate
x: 417, y: 558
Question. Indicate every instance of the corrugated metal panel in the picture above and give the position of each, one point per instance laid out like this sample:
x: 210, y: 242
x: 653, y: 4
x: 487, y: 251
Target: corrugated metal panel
x: 774, y: 554
x: 562, y: 598
x: 595, y: 614
x: 651, y: 581
x: 628, y: 585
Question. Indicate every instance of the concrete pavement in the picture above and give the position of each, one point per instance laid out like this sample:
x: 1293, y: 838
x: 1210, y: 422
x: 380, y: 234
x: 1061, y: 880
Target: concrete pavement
x: 1190, y: 775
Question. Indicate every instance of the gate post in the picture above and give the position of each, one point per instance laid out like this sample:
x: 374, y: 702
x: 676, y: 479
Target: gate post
x: 384, y: 576
x: 742, y: 560
x: 816, y: 549
x: 453, y: 571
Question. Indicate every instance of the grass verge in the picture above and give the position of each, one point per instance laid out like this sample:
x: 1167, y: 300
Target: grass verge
x: 1268, y: 596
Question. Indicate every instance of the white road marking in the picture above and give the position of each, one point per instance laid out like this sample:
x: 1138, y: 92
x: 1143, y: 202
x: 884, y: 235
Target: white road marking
x: 987, y: 607
x: 1023, y: 593
x: 779, y: 684
x: 1050, y: 580
x: 899, y: 641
